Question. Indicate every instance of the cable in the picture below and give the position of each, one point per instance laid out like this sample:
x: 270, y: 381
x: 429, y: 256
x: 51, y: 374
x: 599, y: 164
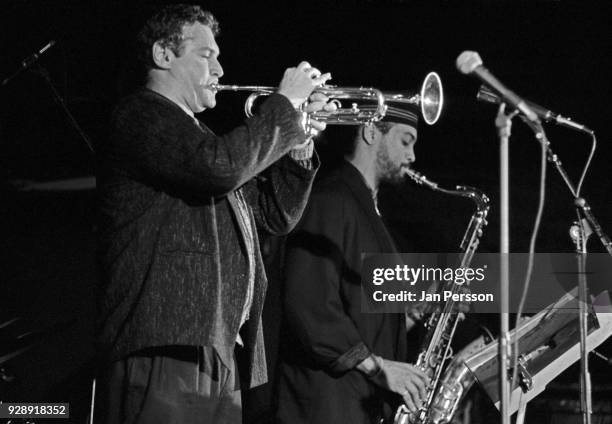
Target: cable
x: 541, y: 135
x: 587, y: 165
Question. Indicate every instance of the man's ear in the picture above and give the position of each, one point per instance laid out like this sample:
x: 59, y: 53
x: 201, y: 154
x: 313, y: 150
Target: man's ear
x: 368, y: 133
x: 162, y: 56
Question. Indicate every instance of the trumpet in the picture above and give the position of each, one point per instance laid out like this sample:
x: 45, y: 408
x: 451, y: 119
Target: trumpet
x: 430, y: 99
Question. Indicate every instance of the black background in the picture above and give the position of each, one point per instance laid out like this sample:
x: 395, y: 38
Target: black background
x: 556, y: 53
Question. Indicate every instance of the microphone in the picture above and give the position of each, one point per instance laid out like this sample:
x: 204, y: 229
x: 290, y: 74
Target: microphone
x: 29, y: 61
x: 470, y: 63
x: 485, y: 94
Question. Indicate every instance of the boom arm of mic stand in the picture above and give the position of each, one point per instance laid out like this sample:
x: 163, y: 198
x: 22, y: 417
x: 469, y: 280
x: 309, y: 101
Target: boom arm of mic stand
x: 579, y: 202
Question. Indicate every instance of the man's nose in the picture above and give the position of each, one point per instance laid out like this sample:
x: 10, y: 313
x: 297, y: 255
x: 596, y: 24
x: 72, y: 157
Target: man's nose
x: 410, y: 157
x: 216, y: 69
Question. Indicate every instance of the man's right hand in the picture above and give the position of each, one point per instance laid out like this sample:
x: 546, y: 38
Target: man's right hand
x: 298, y: 83
x: 407, y: 380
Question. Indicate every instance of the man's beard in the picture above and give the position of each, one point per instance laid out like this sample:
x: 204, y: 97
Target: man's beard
x: 388, y: 171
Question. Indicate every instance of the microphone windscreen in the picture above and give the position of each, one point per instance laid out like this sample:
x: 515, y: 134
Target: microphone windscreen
x: 468, y: 61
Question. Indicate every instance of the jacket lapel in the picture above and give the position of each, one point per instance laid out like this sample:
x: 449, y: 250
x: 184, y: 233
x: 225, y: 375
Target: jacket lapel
x: 233, y: 201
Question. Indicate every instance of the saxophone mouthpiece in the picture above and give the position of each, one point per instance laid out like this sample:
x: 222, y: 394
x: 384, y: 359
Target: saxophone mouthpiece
x: 419, y: 178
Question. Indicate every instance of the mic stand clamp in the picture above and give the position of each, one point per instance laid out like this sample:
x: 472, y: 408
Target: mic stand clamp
x: 582, y: 206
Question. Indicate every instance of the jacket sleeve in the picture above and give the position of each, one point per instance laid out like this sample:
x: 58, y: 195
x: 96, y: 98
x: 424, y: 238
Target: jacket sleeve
x: 156, y: 141
x: 315, y: 264
x: 278, y: 196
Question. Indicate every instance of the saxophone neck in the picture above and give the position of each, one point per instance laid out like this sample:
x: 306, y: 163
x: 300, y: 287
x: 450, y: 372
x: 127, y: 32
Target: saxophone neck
x: 469, y: 243
x: 480, y: 199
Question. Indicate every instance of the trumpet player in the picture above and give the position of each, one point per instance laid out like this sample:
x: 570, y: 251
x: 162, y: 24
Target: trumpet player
x: 182, y: 281
x: 338, y: 364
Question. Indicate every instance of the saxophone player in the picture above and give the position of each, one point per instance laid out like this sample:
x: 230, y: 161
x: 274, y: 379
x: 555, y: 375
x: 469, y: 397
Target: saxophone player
x: 341, y: 365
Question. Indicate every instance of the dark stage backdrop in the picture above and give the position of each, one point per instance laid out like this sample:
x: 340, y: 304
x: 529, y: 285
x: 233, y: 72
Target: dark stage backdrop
x: 556, y: 53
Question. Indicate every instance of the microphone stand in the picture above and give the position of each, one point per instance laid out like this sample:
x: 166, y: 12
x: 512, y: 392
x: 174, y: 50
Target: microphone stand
x: 504, y: 250
x: 580, y: 233
x: 60, y: 101
x: 580, y: 202
x: 580, y: 237
x: 27, y: 62
x: 33, y: 59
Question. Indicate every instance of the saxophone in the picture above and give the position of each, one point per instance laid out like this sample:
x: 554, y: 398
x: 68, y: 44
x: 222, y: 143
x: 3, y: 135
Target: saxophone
x: 446, y: 390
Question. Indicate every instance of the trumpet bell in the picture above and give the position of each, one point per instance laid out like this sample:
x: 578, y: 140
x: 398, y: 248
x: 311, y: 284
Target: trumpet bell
x: 432, y: 98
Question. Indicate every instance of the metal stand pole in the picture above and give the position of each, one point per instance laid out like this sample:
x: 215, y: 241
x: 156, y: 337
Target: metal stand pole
x: 504, y: 249
x: 522, y: 409
x: 583, y: 310
x: 92, y: 402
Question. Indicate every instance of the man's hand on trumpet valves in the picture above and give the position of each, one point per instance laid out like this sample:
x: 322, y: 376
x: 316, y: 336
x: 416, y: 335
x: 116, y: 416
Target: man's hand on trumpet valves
x: 317, y: 102
x: 298, y: 83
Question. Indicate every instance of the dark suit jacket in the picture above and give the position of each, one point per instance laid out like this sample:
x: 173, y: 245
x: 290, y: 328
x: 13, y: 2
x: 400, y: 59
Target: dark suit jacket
x: 327, y: 334
x: 172, y: 253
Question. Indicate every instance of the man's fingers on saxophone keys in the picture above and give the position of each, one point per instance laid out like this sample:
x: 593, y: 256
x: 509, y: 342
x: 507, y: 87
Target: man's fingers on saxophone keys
x: 413, y: 391
x: 409, y: 400
x: 421, y: 375
x: 420, y: 381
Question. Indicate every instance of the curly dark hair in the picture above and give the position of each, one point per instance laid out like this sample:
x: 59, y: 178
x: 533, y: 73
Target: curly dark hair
x: 166, y: 27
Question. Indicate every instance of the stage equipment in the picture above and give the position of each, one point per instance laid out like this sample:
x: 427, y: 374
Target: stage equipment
x: 430, y: 98
x: 442, y: 394
x: 33, y: 60
x: 28, y: 61
x: 469, y: 62
x: 485, y: 94
x: 549, y: 342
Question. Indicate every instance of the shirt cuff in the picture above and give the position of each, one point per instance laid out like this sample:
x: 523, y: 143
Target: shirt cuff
x: 304, y: 155
x: 303, y: 152
x: 351, y: 358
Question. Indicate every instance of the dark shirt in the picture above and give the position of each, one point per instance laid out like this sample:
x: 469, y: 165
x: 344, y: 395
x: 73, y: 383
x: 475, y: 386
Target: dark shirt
x: 327, y: 335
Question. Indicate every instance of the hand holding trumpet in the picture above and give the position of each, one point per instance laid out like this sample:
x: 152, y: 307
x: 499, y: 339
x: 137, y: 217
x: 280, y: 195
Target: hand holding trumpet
x: 298, y: 85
